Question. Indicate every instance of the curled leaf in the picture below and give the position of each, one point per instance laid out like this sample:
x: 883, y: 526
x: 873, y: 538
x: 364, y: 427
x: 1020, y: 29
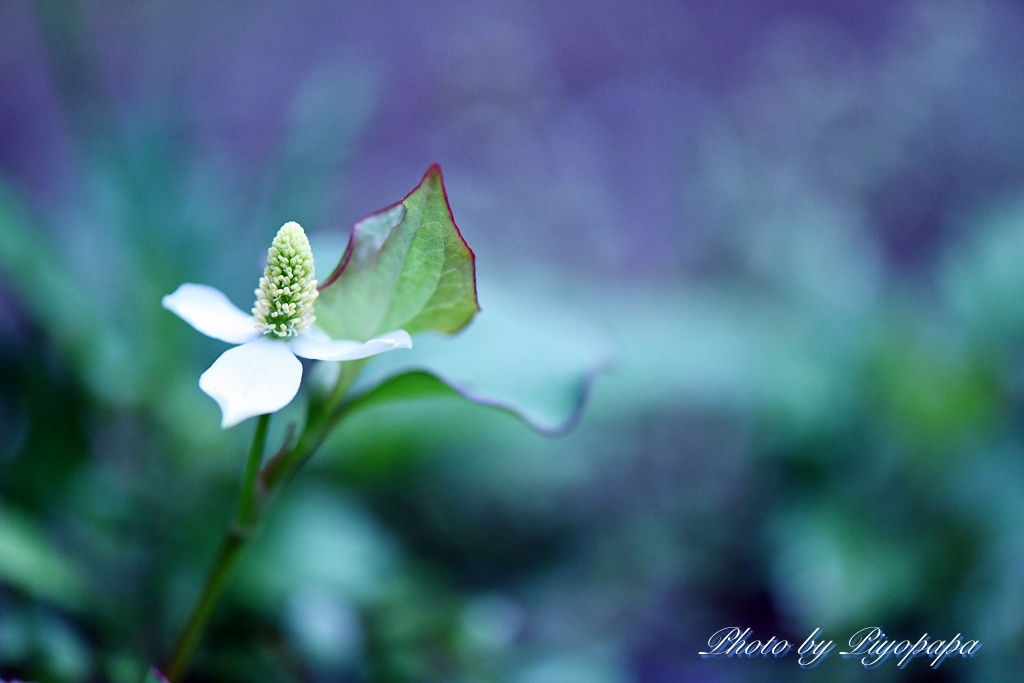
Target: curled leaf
x: 521, y: 357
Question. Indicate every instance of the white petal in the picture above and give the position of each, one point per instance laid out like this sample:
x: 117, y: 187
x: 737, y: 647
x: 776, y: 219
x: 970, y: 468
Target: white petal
x: 212, y: 313
x: 318, y: 346
x: 260, y: 377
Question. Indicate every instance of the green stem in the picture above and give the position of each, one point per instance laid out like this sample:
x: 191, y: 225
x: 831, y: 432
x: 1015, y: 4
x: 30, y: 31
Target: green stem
x: 249, y: 500
x: 257, y: 486
x: 246, y: 516
x: 284, y: 465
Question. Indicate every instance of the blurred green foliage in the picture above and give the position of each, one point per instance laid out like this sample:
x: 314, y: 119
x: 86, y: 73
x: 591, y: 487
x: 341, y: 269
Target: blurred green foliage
x: 800, y: 444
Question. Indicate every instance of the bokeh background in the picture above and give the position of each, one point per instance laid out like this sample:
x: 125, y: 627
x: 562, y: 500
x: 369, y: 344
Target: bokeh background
x: 800, y: 225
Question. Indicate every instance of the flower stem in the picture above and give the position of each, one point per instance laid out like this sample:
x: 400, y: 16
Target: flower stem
x: 246, y: 516
x: 257, y: 486
x: 283, y: 466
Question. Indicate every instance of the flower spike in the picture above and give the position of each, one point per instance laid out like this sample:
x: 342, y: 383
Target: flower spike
x: 284, y: 301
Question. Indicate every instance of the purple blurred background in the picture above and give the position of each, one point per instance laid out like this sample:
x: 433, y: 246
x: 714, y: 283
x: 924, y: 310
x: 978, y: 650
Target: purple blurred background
x: 660, y: 139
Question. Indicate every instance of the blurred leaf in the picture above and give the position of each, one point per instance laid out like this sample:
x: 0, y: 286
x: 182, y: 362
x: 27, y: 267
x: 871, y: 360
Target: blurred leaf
x: 95, y: 289
x: 982, y: 278
x: 318, y: 539
x: 833, y: 568
x: 37, y: 274
x: 538, y: 365
x: 30, y: 562
x: 934, y: 397
x: 405, y: 267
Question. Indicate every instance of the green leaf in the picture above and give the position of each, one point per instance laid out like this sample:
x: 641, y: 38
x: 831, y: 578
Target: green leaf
x: 414, y: 384
x: 406, y: 267
x: 32, y: 563
x: 522, y: 357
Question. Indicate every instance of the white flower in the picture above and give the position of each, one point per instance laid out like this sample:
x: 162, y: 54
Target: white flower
x: 263, y: 375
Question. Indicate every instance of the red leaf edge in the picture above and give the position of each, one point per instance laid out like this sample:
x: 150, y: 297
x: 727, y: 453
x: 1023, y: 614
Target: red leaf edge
x: 434, y: 170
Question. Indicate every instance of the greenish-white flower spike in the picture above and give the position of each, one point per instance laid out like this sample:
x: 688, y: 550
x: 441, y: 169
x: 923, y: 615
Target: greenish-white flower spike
x: 284, y: 301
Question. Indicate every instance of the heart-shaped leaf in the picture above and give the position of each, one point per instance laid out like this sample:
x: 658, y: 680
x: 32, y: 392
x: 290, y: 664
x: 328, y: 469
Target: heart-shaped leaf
x: 406, y: 267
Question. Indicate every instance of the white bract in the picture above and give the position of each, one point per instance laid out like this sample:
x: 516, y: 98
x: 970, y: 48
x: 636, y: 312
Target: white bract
x: 262, y: 375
